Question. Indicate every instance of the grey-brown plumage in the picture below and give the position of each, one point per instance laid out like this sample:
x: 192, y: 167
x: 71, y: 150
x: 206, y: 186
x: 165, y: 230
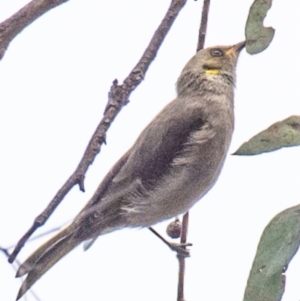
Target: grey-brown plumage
x: 174, y: 162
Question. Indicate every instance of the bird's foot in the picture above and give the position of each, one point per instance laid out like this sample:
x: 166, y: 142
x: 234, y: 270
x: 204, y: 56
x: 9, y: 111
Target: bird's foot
x: 180, y: 248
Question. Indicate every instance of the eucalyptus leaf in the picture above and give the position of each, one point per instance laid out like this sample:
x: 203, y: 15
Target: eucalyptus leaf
x: 278, y: 244
x: 284, y: 133
x: 258, y: 37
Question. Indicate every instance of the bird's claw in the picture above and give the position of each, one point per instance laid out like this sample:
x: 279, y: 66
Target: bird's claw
x: 180, y: 248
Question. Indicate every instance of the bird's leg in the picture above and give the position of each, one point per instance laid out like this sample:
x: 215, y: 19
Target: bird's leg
x: 179, y: 248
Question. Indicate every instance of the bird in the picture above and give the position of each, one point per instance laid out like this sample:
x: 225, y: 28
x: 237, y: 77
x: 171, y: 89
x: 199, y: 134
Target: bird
x: 174, y: 162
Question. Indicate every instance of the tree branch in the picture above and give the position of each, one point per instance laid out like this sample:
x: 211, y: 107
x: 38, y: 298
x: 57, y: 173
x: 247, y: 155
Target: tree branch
x: 118, y: 96
x: 203, y: 25
x: 185, y: 219
x: 181, y: 258
x: 25, y: 16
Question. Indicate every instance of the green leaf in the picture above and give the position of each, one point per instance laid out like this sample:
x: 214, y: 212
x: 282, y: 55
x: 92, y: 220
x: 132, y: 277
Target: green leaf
x: 278, y: 244
x: 258, y: 37
x: 284, y: 133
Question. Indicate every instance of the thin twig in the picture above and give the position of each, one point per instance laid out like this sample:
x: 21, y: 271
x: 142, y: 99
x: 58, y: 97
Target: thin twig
x: 22, y: 18
x: 185, y: 220
x: 203, y: 25
x: 5, y: 251
x: 118, y: 96
x: 159, y: 236
x: 181, y: 259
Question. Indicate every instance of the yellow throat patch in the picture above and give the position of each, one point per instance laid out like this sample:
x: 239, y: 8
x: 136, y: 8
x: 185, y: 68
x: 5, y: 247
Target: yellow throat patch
x: 210, y: 72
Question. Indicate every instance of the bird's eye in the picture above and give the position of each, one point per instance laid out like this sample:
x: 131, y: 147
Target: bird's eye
x: 216, y: 52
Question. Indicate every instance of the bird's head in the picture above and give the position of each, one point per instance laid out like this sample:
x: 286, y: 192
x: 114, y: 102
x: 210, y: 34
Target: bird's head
x: 216, y: 63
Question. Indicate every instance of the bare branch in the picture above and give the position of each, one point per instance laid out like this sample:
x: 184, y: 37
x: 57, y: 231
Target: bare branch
x: 25, y: 16
x: 181, y: 259
x: 203, y: 25
x: 185, y: 220
x: 118, y: 96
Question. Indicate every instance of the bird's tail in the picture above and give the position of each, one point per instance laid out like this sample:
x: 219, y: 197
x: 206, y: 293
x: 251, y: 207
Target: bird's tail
x: 44, y: 258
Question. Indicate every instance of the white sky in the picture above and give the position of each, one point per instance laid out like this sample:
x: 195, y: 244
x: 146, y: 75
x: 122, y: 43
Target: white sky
x: 54, y: 80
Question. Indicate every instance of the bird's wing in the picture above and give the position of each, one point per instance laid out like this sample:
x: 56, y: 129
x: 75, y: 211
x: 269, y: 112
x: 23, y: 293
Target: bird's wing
x: 106, y: 182
x: 162, y: 142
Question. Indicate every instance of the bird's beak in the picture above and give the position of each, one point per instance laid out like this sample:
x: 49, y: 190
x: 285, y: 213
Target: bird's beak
x: 236, y: 48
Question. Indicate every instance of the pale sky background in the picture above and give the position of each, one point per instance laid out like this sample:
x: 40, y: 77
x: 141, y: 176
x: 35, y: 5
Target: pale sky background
x: 54, y: 80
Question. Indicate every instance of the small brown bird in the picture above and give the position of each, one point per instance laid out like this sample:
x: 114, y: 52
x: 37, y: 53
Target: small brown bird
x: 175, y: 161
